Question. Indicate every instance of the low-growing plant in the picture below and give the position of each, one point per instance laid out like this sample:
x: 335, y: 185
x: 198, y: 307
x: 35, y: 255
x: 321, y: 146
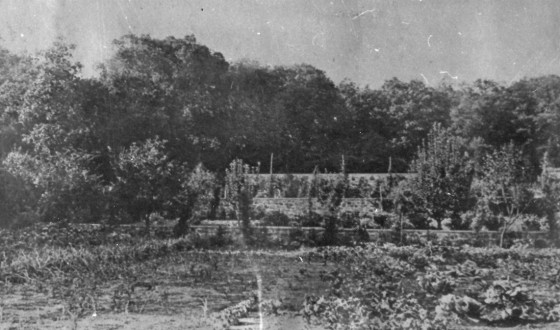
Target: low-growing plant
x: 432, y: 287
x: 503, y: 302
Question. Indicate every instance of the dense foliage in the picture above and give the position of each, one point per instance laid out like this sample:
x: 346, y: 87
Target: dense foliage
x: 124, y: 145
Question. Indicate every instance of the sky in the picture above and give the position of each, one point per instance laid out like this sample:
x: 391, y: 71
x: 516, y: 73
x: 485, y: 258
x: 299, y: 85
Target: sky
x: 366, y: 41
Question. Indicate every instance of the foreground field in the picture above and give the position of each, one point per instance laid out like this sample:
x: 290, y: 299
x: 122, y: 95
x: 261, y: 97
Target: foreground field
x: 186, y: 288
x: 98, y: 280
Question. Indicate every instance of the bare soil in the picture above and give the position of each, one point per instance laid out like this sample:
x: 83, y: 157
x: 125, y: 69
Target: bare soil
x: 186, y: 291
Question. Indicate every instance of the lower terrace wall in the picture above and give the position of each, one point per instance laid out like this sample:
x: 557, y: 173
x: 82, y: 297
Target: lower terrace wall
x: 282, y: 234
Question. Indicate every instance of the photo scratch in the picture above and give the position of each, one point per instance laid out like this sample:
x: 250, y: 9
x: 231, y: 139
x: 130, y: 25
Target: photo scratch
x: 425, y: 79
x: 125, y: 17
x: 449, y: 74
x: 430, y: 37
x: 363, y: 13
x: 316, y: 42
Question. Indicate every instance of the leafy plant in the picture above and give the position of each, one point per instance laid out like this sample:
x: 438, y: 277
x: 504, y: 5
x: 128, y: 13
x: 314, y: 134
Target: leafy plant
x: 443, y: 175
x: 240, y: 190
x: 146, y: 179
x: 192, y: 203
x: 503, y: 188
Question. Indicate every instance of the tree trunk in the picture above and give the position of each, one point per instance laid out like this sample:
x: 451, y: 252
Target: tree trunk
x: 502, y: 234
x: 401, y: 226
x: 215, y: 204
x: 147, y: 222
x: 182, y: 226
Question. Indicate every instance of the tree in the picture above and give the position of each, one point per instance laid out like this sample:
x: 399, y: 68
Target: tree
x: 239, y: 190
x: 146, y: 180
x: 17, y: 201
x: 412, y: 110
x: 498, y: 115
x: 330, y: 194
x: 256, y: 122
x: 16, y: 74
x: 549, y: 201
x: 67, y: 190
x: 174, y: 88
x: 443, y: 175
x: 546, y: 92
x: 43, y: 102
x: 503, y: 188
x: 368, y: 132
x: 194, y: 198
x: 406, y: 204
x: 312, y: 107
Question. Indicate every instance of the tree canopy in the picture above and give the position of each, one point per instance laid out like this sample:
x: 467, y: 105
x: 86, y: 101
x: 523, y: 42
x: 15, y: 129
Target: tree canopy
x: 63, y: 135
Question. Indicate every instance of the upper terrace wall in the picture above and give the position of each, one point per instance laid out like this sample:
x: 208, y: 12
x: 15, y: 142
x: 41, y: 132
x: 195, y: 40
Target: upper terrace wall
x: 295, y: 207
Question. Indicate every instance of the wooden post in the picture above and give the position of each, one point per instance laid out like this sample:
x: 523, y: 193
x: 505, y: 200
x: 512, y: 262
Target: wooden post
x: 271, y: 189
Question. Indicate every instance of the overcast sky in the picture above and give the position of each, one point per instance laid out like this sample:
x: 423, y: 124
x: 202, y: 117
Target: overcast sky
x: 367, y: 41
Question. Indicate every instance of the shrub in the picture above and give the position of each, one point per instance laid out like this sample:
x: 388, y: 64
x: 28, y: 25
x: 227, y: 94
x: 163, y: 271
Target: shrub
x: 276, y: 218
x: 296, y: 238
x: 24, y: 219
x: 146, y: 180
x: 220, y: 238
x: 310, y: 220
x: 443, y: 175
x: 362, y: 235
x: 383, y: 219
x: 240, y: 190
x: 349, y: 219
x: 194, y: 199
x: 330, y: 235
x: 260, y: 238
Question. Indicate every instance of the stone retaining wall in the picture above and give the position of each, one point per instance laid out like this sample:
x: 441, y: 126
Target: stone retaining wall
x: 282, y: 234
x: 294, y: 207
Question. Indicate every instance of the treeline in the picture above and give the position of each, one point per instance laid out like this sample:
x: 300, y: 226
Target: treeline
x: 126, y: 142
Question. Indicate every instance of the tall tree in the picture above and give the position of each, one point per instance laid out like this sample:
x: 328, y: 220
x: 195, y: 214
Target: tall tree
x: 368, y: 132
x: 546, y: 92
x: 45, y: 104
x: 498, y: 115
x: 255, y: 121
x: 503, y: 188
x: 413, y: 108
x: 172, y: 88
x: 313, y: 108
x: 443, y: 175
x: 147, y: 180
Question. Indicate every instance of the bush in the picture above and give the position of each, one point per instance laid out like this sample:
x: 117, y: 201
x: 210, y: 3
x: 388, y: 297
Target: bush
x: 296, y: 238
x: 221, y: 238
x: 362, y: 235
x: 276, y: 218
x: 260, y: 238
x: 310, y: 220
x: 383, y: 219
x: 330, y: 235
x: 24, y: 220
x: 349, y: 219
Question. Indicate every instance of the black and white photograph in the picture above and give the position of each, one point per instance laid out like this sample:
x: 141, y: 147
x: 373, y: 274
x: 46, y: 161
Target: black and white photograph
x: 279, y: 164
